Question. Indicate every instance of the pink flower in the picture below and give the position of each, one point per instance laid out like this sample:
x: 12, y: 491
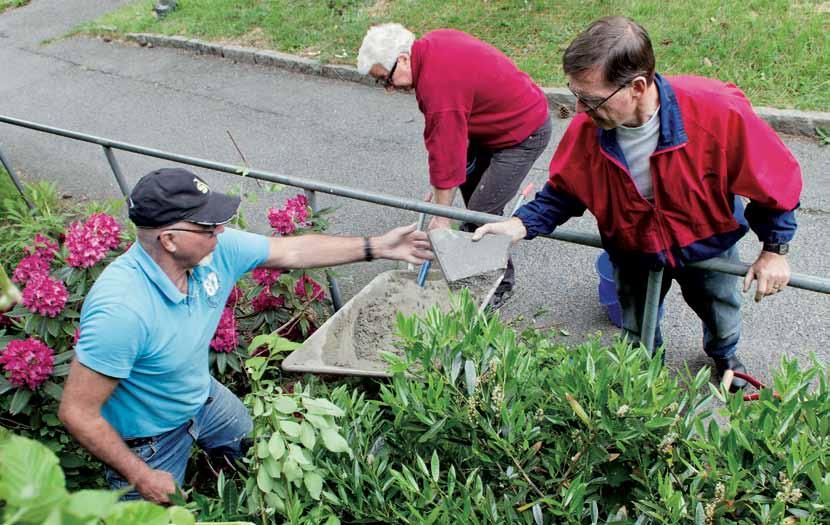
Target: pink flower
x: 89, y: 242
x: 43, y: 247
x: 234, y: 297
x: 106, y: 228
x: 266, y: 276
x: 304, y: 282
x: 28, y: 363
x: 265, y: 301
x: 298, y: 208
x: 28, y: 267
x: 282, y: 221
x: 45, y: 296
x: 225, y: 338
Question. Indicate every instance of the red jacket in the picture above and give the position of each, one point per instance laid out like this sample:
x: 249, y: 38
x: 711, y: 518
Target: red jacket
x: 712, y: 147
x: 468, y: 89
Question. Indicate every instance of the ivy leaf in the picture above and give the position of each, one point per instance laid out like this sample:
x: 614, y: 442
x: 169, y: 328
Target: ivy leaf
x: 307, y: 436
x: 290, y: 428
x: 333, y: 441
x: 286, y: 405
x: 264, y: 481
x: 276, y: 446
x: 314, y: 483
x: 322, y: 407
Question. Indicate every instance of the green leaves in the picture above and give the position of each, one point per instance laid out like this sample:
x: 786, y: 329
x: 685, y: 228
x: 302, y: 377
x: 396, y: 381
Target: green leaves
x: 33, y: 490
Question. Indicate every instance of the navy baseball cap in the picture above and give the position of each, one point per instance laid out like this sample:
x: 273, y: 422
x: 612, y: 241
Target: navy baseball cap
x: 169, y: 195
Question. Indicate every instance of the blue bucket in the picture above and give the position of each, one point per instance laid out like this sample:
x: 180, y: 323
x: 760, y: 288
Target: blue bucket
x: 607, y: 290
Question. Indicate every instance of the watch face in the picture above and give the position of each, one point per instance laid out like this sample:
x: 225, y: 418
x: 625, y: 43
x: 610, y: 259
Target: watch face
x: 783, y: 249
x: 780, y: 249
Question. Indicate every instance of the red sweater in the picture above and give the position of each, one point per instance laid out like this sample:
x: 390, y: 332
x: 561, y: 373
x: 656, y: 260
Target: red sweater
x: 468, y: 89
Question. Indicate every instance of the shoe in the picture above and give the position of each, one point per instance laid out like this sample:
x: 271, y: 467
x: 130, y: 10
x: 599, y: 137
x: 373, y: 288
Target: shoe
x: 734, y: 364
x: 503, y: 292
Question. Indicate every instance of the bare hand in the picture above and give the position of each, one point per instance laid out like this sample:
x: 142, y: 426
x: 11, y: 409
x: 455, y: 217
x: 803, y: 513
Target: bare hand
x: 439, y: 222
x: 156, y: 486
x: 512, y: 227
x: 772, y: 272
x: 405, y: 243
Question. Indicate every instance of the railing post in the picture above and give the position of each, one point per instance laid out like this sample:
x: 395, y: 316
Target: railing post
x: 334, y: 288
x: 15, y: 180
x: 116, y: 170
x: 650, y: 312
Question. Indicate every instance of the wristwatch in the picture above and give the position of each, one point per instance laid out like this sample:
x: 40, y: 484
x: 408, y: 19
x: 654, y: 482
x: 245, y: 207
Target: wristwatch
x: 781, y: 249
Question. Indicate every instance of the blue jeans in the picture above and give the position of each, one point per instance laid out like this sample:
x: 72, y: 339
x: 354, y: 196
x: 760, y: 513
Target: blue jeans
x: 217, y: 428
x: 713, y: 296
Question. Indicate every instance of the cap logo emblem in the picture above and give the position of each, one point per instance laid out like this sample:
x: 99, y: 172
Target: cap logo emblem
x: 201, y: 186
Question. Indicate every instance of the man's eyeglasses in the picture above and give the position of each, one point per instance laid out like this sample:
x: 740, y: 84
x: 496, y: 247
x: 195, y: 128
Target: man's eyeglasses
x: 210, y: 233
x: 387, y: 82
x: 591, y: 103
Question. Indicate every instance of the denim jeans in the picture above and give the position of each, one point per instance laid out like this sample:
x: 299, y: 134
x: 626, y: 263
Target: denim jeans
x: 217, y: 428
x: 713, y: 296
x: 495, y: 176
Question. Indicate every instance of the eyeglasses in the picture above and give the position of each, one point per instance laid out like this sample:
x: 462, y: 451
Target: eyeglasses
x: 387, y: 82
x: 210, y: 233
x: 587, y: 101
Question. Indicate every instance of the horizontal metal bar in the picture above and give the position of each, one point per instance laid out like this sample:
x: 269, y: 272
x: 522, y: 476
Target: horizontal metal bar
x: 806, y: 282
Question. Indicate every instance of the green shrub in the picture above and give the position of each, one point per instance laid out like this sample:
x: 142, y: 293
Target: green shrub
x: 492, y: 427
x: 33, y: 492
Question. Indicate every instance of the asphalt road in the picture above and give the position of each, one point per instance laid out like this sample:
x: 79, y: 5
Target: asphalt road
x: 346, y: 133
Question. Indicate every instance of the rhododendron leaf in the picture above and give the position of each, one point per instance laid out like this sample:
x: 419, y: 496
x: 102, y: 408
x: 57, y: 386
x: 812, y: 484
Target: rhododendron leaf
x: 142, y: 512
x: 30, y: 478
x: 221, y: 362
x: 20, y: 400
x: 54, y: 391
x: 5, y: 386
x: 91, y: 503
x: 61, y: 370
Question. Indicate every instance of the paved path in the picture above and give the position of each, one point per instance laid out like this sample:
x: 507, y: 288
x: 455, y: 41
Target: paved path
x: 345, y: 133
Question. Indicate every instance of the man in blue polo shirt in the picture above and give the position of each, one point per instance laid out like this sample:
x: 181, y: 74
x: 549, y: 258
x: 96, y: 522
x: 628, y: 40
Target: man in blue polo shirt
x: 139, y: 391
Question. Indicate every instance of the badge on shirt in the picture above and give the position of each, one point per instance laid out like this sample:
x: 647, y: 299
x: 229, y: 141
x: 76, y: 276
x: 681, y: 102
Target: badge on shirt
x: 211, y: 284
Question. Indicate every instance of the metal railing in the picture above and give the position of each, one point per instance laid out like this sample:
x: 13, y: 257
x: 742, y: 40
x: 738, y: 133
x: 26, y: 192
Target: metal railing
x: 647, y: 333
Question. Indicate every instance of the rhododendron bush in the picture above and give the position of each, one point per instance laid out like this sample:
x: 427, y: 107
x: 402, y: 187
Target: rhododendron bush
x: 47, y: 276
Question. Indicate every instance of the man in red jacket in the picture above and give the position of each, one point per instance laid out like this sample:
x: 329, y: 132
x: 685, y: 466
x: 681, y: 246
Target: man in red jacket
x: 486, y: 122
x: 661, y: 163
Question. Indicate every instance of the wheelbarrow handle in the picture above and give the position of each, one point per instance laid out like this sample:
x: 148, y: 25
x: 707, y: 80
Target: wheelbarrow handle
x: 729, y: 375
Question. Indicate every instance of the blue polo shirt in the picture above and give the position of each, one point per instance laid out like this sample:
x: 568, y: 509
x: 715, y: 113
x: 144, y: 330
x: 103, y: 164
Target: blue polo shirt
x: 136, y: 326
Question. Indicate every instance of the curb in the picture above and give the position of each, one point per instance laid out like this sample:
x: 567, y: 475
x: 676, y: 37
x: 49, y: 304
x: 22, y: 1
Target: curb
x: 560, y: 100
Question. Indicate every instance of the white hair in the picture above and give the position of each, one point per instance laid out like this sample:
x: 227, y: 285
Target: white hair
x: 382, y: 45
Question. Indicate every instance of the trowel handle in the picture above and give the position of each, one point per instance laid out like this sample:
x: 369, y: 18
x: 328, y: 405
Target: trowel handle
x: 522, y: 196
x: 422, y: 221
x: 422, y: 275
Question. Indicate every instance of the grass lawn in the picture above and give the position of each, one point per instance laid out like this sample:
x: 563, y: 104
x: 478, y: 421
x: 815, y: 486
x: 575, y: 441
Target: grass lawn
x: 8, y: 4
x: 777, y: 51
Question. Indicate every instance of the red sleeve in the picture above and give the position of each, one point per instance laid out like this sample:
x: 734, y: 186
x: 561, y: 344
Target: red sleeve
x: 445, y: 137
x: 761, y: 167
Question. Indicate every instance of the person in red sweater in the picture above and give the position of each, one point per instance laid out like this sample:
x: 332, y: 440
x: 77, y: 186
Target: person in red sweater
x: 663, y: 164
x: 485, y: 121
